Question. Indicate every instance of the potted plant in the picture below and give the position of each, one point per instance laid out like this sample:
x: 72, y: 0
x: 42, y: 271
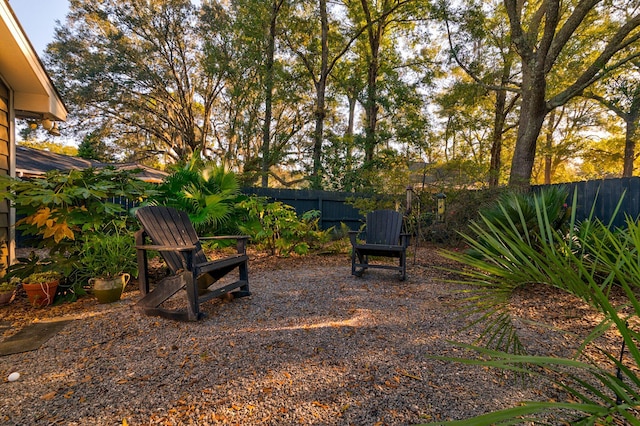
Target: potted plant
x: 8, y: 289
x: 41, y: 287
x: 109, y: 259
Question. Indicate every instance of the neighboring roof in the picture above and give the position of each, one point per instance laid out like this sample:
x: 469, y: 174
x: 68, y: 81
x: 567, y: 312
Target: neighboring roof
x: 34, y: 93
x: 34, y: 162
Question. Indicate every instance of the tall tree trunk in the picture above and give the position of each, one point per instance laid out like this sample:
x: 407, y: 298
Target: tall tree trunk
x: 548, y: 154
x: 348, y: 136
x: 532, y: 114
x: 268, y: 93
x: 496, y: 138
x: 374, y: 31
x: 321, y: 85
x: 629, y: 146
x: 499, y: 120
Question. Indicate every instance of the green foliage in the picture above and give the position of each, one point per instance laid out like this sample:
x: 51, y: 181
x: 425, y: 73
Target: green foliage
x: 585, y: 262
x: 462, y: 207
x: 25, y: 266
x: 369, y: 204
x: 60, y: 209
x: 206, y: 191
x: 519, y: 211
x: 42, y: 277
x: 93, y: 147
x: 62, y: 204
x: 9, y: 284
x: 58, y: 148
x: 108, y: 255
x: 276, y: 227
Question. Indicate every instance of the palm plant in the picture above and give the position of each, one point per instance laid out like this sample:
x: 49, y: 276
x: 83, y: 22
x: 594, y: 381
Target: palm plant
x: 518, y: 211
x: 586, y: 264
x: 205, y: 190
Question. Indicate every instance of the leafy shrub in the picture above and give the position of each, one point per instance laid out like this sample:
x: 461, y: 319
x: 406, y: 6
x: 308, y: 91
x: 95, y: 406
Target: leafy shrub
x: 276, y: 228
x: 585, y: 261
x: 61, y: 205
x: 462, y: 206
x: 107, y: 255
x: 61, y: 209
x: 519, y: 212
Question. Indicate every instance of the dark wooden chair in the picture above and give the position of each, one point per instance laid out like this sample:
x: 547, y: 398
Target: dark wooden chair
x: 173, y: 236
x: 384, y: 237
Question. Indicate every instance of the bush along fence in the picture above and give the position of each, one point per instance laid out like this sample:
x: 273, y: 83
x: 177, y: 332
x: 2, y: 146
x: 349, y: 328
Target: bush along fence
x: 333, y: 206
x: 337, y: 207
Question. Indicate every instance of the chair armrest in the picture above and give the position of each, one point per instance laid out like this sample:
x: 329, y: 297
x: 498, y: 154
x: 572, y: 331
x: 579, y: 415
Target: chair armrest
x: 166, y: 248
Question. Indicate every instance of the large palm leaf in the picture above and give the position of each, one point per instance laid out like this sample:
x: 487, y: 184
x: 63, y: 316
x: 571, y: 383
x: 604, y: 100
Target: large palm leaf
x: 586, y: 264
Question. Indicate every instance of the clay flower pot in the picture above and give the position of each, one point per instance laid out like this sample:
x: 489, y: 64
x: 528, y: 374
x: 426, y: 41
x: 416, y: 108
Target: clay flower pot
x: 41, y: 288
x: 6, y: 297
x: 41, y: 294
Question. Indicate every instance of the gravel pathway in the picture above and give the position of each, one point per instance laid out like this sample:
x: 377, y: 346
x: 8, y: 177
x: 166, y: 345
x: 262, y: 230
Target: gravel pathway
x: 313, y: 346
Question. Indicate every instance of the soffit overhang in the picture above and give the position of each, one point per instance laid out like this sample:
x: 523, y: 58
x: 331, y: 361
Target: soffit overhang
x: 35, y: 96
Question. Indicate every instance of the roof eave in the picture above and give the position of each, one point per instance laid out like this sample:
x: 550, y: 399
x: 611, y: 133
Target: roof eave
x: 35, y: 96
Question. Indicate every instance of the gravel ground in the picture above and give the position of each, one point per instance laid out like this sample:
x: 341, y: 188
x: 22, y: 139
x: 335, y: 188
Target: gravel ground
x: 313, y: 345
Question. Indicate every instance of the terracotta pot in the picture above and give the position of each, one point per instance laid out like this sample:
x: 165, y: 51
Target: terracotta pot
x: 109, y: 290
x: 41, y: 294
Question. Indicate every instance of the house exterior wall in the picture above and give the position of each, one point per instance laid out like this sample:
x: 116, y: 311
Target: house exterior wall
x: 6, y: 132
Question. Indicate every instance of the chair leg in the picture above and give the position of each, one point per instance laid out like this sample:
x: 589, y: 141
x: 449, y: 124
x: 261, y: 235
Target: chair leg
x: 243, y: 272
x: 403, y: 266
x: 361, y: 260
x: 353, y: 262
x: 193, y: 308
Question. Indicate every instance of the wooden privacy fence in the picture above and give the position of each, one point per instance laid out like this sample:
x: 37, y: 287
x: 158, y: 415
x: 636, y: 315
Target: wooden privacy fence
x: 606, y: 194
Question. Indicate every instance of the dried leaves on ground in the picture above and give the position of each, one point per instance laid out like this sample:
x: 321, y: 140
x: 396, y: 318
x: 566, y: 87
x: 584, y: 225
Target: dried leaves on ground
x: 312, y: 345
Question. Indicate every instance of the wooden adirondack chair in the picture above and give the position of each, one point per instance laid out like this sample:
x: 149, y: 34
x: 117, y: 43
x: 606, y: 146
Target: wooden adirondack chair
x: 384, y: 238
x: 173, y: 236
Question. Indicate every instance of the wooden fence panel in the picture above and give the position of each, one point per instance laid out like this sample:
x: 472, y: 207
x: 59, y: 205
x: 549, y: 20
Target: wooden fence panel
x: 603, y: 196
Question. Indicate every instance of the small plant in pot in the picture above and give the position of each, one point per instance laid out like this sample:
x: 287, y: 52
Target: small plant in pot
x: 8, y: 289
x: 109, y: 260
x: 41, y: 287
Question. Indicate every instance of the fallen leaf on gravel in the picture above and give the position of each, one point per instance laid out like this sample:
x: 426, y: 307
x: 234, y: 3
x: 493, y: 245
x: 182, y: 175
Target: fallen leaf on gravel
x: 411, y: 376
x: 319, y: 404
x: 184, y: 362
x: 49, y: 396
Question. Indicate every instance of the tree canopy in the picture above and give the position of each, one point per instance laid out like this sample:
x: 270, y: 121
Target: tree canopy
x: 351, y: 95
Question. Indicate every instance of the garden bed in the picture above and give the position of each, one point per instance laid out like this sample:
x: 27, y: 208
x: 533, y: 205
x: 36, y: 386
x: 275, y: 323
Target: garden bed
x: 312, y: 345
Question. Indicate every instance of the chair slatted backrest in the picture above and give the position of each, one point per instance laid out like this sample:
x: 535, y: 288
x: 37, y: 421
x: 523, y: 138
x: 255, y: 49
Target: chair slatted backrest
x: 167, y: 226
x: 384, y: 227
